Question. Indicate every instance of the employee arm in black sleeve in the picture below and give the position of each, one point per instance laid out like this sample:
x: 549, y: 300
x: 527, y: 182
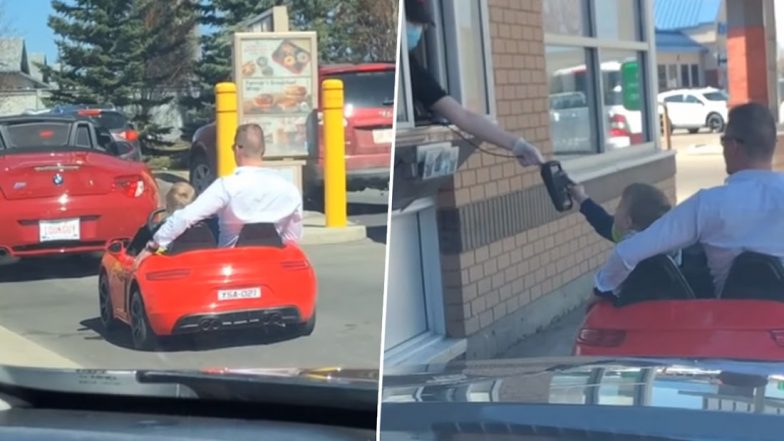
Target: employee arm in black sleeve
x: 430, y: 94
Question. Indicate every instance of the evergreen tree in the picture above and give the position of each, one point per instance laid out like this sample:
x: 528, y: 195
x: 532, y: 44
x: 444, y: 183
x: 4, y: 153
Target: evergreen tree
x: 214, y: 65
x: 123, y: 52
x: 96, y: 51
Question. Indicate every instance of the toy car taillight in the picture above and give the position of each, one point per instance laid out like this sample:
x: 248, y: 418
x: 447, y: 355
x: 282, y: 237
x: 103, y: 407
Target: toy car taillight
x: 174, y: 274
x: 778, y: 336
x: 132, y: 186
x: 601, y: 337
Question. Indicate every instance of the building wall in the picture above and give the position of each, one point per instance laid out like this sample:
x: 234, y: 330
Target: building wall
x: 518, y: 264
x: 16, y: 102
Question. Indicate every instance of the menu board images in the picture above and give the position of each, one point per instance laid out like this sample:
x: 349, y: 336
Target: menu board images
x: 277, y: 84
x: 291, y: 57
x: 282, y: 96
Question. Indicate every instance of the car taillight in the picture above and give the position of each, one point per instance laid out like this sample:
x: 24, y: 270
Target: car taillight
x: 130, y: 135
x: 778, y: 336
x: 90, y: 112
x: 293, y: 265
x: 46, y: 134
x: 132, y: 186
x: 175, y: 274
x: 601, y: 337
x: 618, y: 126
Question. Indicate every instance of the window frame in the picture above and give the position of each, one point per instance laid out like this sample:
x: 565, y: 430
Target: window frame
x: 433, y: 344
x: 645, y: 49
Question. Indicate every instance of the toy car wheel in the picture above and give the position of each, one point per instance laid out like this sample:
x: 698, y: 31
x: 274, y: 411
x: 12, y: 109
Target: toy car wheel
x: 143, y: 336
x: 105, y: 306
x: 307, y: 327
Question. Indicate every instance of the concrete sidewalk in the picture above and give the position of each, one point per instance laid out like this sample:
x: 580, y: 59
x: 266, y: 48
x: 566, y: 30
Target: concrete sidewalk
x: 316, y: 232
x: 16, y: 350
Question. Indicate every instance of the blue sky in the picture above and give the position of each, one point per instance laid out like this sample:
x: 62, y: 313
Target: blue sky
x: 27, y: 19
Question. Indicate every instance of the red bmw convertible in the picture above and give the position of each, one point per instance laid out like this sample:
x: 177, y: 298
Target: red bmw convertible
x: 63, y: 188
x: 657, y: 314
x: 197, y: 287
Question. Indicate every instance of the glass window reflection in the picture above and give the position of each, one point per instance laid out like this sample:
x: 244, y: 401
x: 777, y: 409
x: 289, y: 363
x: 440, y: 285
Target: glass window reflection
x: 623, y: 95
x: 615, y: 19
x: 569, y: 78
x: 566, y: 17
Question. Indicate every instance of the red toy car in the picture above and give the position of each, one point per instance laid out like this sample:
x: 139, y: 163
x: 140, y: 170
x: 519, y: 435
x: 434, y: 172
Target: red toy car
x: 197, y: 287
x: 657, y: 315
x: 64, y: 190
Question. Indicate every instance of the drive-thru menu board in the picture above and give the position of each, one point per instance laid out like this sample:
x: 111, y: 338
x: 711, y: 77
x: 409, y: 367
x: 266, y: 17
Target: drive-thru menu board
x: 277, y: 87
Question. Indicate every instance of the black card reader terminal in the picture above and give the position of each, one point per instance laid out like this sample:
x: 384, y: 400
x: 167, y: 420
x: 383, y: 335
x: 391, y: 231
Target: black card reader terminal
x: 557, y: 182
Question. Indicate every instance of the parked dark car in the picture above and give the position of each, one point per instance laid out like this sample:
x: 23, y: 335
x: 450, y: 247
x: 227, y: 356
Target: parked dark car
x: 111, y: 119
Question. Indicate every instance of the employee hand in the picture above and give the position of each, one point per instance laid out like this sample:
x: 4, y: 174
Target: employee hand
x: 578, y: 193
x: 527, y: 154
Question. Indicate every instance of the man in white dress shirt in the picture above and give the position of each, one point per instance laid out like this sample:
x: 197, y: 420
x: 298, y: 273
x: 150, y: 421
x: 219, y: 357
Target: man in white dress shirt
x: 744, y: 214
x: 252, y: 194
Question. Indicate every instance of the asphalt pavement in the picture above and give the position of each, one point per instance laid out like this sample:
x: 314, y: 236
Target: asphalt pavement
x: 52, y: 305
x: 699, y: 165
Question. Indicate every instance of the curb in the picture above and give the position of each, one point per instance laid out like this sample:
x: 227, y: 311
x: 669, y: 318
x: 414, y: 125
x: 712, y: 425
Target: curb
x: 20, y: 351
x: 318, y: 235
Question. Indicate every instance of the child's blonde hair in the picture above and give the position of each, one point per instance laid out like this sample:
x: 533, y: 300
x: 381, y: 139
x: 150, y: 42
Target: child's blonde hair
x: 180, y: 194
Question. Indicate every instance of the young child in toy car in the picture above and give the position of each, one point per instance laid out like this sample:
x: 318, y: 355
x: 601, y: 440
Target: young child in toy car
x: 640, y: 206
x: 179, y: 196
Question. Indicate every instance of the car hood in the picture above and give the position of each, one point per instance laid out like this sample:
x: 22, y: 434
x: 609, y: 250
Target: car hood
x: 329, y: 387
x: 670, y: 383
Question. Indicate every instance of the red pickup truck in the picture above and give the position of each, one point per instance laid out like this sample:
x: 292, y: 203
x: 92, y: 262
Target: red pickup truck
x: 369, y: 91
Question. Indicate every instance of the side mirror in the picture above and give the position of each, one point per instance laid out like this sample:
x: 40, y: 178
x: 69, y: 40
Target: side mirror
x: 115, y: 247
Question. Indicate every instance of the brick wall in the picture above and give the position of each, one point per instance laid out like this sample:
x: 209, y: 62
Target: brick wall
x: 482, y: 284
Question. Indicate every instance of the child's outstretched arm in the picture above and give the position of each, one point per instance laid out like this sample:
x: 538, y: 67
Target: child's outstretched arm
x: 598, y: 217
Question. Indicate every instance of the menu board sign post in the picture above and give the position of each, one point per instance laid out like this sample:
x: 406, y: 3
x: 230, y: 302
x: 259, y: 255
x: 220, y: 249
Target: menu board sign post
x: 277, y: 87
x: 275, y: 19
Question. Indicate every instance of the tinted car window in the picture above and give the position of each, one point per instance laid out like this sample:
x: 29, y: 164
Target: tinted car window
x: 692, y: 99
x: 37, y: 134
x: 674, y: 99
x: 111, y: 120
x: 715, y: 96
x: 368, y: 89
x: 83, y: 136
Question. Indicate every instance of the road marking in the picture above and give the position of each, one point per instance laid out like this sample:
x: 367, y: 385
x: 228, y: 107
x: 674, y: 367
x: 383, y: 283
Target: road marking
x: 16, y: 350
x: 704, y: 149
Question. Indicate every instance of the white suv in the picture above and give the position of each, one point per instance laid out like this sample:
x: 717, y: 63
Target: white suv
x: 693, y: 109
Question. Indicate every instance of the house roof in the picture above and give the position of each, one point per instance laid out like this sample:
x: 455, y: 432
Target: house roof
x: 13, y: 57
x: 675, y: 41
x: 679, y: 14
x: 37, y: 58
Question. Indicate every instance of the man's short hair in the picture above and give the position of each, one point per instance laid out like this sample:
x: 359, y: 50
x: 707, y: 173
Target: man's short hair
x: 646, y: 204
x: 250, y: 140
x: 752, y: 124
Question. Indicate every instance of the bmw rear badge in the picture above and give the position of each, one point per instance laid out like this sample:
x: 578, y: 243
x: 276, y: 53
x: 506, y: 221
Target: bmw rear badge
x: 58, y: 179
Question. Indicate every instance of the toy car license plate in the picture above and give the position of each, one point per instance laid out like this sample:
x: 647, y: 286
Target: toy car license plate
x: 64, y: 229
x: 384, y: 136
x: 238, y: 294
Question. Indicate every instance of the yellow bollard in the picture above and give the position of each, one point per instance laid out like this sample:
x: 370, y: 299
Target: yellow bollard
x: 334, y: 155
x: 226, y: 122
